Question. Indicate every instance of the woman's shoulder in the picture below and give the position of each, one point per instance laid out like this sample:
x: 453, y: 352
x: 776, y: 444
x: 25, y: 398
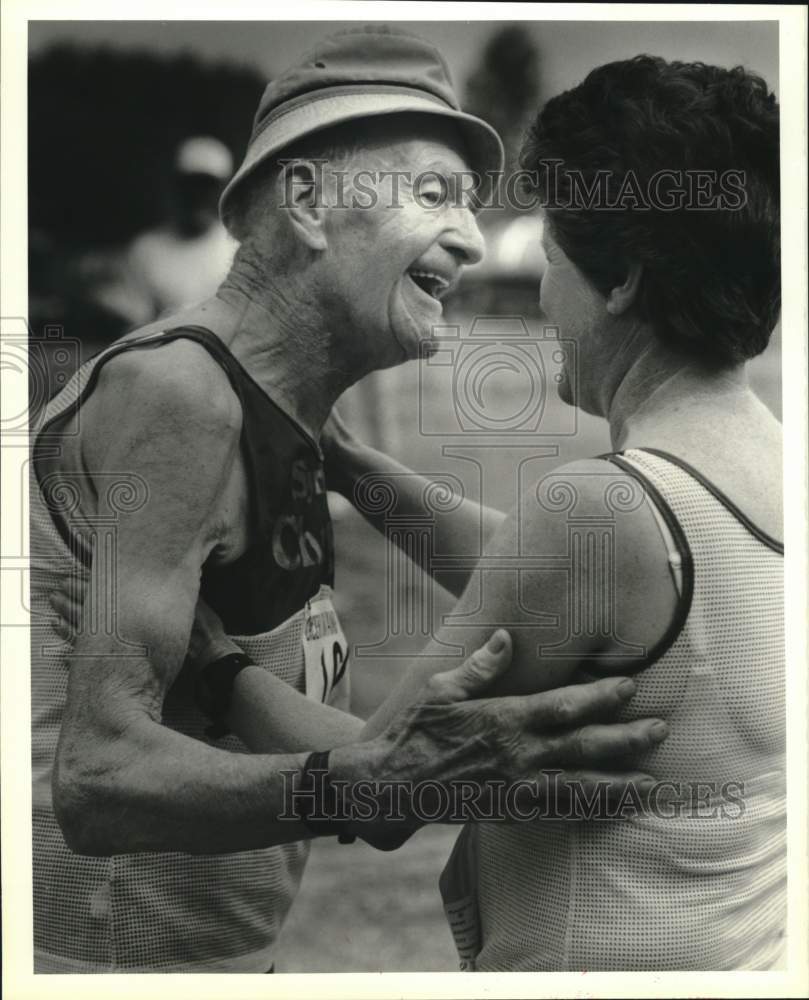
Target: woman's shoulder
x: 745, y: 478
x: 594, y: 566
x: 736, y: 455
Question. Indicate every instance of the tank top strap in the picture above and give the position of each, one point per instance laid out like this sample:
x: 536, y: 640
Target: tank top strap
x: 723, y: 498
x: 85, y: 379
x: 680, y: 558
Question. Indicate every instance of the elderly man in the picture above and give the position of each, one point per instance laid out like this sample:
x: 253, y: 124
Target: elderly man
x: 160, y: 844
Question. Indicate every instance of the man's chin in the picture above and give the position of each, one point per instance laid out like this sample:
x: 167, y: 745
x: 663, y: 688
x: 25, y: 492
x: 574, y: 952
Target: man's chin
x: 405, y: 347
x: 418, y: 339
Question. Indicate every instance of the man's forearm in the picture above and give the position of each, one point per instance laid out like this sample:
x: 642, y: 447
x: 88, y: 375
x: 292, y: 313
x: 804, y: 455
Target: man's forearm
x: 153, y: 789
x: 406, y: 691
x: 158, y: 790
x: 124, y: 782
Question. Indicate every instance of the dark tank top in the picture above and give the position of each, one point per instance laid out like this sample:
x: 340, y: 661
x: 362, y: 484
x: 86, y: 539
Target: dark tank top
x: 290, y: 550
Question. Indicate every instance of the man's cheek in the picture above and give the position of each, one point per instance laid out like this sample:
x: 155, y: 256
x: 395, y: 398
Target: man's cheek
x: 364, y: 219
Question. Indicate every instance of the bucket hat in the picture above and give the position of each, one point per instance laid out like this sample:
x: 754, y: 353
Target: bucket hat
x: 361, y: 74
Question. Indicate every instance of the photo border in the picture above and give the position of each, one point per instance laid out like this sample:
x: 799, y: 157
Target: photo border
x: 19, y: 981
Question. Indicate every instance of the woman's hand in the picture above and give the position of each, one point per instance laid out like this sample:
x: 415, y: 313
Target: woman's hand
x: 208, y: 641
x: 340, y: 447
x: 67, y: 600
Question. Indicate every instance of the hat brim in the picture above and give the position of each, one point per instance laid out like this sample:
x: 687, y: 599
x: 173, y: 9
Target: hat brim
x: 484, y: 148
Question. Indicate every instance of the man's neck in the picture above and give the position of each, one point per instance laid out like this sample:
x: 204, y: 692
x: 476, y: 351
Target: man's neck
x: 284, y: 345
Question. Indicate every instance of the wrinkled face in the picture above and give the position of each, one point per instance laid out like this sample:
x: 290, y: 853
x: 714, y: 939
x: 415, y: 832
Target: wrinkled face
x: 399, y: 244
x: 567, y: 300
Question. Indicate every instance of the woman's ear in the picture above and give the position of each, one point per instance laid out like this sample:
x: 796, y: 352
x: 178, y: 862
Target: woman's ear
x: 303, y: 201
x: 623, y: 296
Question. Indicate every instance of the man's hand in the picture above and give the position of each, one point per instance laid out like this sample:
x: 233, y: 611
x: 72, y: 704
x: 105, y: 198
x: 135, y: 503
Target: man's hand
x: 452, y: 739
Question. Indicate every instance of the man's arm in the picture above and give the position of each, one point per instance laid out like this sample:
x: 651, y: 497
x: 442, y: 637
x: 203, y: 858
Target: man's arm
x: 123, y: 781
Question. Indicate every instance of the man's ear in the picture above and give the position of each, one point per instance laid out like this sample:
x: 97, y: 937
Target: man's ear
x: 623, y: 296
x: 303, y: 201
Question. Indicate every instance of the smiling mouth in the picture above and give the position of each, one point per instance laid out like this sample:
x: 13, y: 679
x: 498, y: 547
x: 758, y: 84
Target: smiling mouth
x: 430, y: 283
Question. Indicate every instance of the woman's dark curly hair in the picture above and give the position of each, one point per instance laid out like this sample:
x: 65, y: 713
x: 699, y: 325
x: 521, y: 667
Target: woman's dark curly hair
x: 711, y: 278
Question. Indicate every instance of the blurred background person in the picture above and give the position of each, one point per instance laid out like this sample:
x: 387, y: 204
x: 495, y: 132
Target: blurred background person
x: 185, y: 259
x: 145, y: 142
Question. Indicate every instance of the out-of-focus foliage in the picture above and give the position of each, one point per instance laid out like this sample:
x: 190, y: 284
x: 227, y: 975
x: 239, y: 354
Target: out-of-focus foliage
x: 505, y: 88
x: 103, y: 126
x: 103, y: 129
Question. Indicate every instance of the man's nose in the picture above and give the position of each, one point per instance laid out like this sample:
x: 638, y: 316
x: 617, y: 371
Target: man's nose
x: 464, y: 239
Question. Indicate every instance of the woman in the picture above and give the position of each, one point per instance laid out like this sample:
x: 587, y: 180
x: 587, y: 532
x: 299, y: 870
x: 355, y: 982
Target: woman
x: 665, y: 308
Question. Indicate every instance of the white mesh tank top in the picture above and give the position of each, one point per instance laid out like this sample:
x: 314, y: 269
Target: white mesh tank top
x: 656, y: 892
x: 145, y: 912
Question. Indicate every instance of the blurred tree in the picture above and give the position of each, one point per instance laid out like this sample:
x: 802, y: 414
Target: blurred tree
x: 505, y: 88
x: 103, y: 130
x: 103, y: 127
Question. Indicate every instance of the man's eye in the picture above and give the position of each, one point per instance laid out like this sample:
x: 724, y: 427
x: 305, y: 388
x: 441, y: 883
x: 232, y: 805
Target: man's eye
x: 432, y: 196
x: 432, y: 190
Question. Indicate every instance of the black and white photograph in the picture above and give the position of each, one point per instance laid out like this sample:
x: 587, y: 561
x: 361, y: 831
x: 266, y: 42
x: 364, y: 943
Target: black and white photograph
x: 407, y: 421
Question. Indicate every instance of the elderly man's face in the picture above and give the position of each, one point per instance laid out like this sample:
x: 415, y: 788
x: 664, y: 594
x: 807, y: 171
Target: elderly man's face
x: 399, y: 246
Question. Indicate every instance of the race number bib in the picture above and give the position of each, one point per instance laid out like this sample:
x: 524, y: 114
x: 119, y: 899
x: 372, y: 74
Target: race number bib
x: 325, y: 651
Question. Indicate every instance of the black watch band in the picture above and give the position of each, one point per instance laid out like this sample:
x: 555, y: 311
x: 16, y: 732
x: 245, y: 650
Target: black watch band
x: 214, y: 690
x: 318, y: 802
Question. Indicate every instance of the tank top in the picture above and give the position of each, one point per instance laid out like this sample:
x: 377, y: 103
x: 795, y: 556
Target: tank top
x: 174, y: 912
x: 704, y: 889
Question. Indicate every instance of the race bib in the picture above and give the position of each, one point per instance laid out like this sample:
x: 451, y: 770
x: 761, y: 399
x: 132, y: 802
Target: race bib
x: 458, y: 886
x: 325, y: 651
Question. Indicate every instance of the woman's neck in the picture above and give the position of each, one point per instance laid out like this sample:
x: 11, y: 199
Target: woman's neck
x: 663, y: 392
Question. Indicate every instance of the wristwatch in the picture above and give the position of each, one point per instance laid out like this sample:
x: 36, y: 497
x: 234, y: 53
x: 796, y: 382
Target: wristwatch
x: 318, y: 801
